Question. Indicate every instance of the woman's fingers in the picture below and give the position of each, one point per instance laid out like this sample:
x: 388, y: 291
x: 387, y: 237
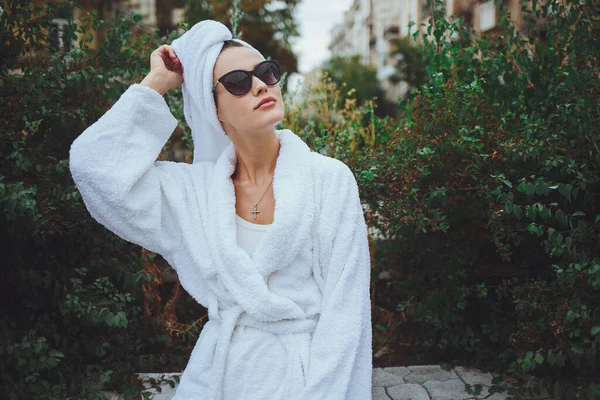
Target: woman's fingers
x: 171, y: 53
x: 175, y: 63
x: 169, y: 64
x: 169, y: 58
x: 164, y: 61
x: 175, y: 59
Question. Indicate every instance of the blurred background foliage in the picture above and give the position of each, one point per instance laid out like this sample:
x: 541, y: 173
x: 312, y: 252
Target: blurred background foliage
x: 483, y: 187
x: 349, y: 74
x: 486, y: 191
x: 410, y: 65
x: 268, y: 25
x: 78, y: 303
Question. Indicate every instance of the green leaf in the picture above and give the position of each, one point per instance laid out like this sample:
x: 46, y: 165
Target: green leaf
x: 541, y: 190
x: 560, y: 359
x: 105, y: 376
x: 539, y: 358
x: 109, y: 318
x: 559, y: 239
x: 56, y: 353
x: 529, y: 189
x: 545, y: 213
x: 577, y: 349
x: 565, y: 190
x: 123, y: 317
x: 562, y: 218
x: 595, y: 330
x: 518, y: 212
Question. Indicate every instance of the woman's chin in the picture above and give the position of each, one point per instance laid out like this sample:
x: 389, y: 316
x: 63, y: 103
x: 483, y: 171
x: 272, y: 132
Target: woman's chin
x: 272, y: 119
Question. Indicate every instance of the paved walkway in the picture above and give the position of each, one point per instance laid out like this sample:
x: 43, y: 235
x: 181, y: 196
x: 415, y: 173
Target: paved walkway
x: 430, y: 382
x: 422, y: 382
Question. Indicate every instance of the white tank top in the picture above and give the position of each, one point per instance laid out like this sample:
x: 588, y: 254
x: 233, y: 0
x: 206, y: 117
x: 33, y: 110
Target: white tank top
x: 249, y: 234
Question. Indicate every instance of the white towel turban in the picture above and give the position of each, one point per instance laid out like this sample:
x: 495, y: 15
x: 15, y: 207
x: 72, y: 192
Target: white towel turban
x: 198, y: 49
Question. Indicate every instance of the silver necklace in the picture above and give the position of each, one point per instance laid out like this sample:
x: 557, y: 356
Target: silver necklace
x: 254, y: 210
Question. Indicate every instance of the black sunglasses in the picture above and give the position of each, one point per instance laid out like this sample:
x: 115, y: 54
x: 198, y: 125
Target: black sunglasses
x: 239, y: 82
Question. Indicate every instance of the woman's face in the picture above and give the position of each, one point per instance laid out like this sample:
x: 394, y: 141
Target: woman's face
x: 239, y: 113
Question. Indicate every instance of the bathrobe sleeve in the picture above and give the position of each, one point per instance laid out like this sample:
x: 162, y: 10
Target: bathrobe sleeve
x: 113, y: 163
x: 340, y: 363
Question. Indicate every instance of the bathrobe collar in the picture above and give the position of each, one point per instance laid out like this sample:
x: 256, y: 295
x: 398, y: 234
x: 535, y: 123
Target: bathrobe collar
x: 245, y: 278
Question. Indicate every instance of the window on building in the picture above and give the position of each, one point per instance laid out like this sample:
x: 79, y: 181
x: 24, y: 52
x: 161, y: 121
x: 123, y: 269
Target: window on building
x: 55, y: 34
x: 392, y: 30
x: 487, y: 15
x: 56, y: 28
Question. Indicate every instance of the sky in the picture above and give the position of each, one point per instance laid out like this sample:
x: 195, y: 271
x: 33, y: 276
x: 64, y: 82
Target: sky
x: 315, y: 19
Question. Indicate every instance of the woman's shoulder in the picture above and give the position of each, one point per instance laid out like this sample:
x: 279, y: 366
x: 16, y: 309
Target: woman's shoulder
x: 329, y: 167
x: 333, y: 179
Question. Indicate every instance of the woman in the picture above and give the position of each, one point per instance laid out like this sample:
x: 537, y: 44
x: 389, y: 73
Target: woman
x: 267, y: 234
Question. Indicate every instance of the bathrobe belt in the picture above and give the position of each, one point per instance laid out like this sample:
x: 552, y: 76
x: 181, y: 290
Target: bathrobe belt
x: 233, y: 315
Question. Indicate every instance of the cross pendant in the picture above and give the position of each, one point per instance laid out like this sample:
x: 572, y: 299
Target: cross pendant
x: 255, y: 211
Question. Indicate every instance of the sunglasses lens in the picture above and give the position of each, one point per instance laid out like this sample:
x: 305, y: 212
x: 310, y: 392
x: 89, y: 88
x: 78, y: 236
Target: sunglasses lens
x: 238, y: 83
x: 268, y: 72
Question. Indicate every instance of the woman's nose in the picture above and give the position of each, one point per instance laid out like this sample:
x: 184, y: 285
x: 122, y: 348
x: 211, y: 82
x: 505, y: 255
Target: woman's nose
x: 257, y: 85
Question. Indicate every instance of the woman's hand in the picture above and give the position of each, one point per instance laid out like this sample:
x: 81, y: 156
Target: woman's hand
x: 166, y: 71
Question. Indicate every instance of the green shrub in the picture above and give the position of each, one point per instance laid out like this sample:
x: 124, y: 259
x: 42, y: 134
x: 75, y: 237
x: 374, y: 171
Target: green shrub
x: 73, y: 293
x: 488, y: 192
x: 351, y: 75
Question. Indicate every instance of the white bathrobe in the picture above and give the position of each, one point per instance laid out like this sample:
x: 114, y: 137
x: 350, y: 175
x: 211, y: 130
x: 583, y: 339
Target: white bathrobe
x: 291, y: 323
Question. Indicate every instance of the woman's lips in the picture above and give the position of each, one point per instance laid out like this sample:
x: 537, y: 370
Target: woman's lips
x: 266, y: 104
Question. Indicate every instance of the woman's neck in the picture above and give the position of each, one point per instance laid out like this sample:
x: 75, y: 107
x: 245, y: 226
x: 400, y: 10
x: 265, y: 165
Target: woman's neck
x: 256, y: 159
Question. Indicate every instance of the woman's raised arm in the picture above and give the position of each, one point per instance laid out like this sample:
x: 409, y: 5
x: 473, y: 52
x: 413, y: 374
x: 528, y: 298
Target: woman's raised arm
x: 113, y: 163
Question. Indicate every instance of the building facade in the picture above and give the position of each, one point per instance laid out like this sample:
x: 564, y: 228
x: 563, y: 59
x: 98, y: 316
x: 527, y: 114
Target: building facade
x: 162, y: 14
x: 369, y: 26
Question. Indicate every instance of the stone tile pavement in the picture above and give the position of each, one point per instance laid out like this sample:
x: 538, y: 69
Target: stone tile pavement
x: 421, y: 382
x: 431, y: 382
